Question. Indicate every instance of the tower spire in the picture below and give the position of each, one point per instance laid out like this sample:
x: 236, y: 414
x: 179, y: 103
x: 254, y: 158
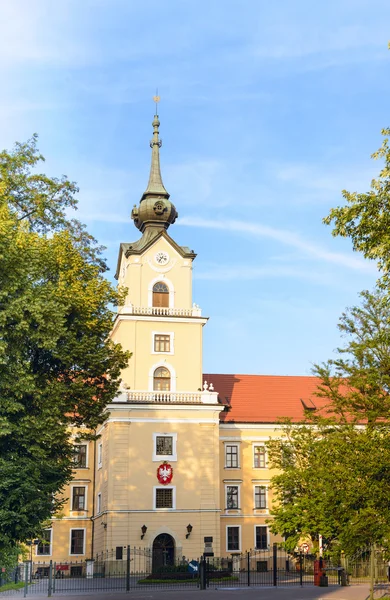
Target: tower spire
x: 155, y: 184
x: 155, y: 212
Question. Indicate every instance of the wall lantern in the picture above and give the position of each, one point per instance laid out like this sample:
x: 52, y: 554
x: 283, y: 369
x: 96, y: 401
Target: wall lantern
x: 144, y: 530
x: 189, y: 529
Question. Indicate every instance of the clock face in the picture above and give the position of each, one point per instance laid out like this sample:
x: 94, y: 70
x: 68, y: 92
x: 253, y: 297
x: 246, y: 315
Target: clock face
x: 161, y: 258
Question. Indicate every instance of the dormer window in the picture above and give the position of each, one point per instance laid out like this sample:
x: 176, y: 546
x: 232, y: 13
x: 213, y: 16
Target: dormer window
x: 161, y: 380
x: 160, y: 295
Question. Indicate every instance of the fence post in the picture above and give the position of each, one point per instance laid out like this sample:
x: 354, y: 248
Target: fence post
x: 50, y: 586
x: 25, y: 578
x: 54, y: 578
x: 372, y: 571
x: 300, y: 569
x: 248, y: 566
x: 202, y: 573
x: 275, y: 564
x: 128, y: 569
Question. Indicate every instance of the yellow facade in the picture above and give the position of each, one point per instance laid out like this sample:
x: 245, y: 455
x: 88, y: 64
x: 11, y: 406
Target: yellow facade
x: 163, y: 413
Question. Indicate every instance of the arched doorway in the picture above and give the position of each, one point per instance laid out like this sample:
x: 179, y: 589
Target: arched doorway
x: 163, y: 551
x: 161, y: 380
x: 160, y: 295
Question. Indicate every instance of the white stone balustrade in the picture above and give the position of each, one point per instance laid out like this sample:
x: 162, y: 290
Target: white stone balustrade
x: 160, y: 311
x: 141, y: 396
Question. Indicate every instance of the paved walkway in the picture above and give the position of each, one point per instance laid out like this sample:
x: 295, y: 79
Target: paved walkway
x: 360, y: 592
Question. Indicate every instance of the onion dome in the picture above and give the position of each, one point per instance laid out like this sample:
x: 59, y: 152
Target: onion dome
x: 155, y: 212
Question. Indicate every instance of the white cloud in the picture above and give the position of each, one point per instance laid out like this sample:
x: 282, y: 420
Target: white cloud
x: 326, y: 178
x: 283, y: 236
x: 247, y: 272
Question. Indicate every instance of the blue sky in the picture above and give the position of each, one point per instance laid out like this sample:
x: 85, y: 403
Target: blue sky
x: 268, y: 110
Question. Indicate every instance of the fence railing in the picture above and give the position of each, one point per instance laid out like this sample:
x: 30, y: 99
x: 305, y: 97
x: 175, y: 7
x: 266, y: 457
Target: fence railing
x: 127, y: 568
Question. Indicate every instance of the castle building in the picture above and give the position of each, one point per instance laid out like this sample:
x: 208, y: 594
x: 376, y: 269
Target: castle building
x: 180, y: 466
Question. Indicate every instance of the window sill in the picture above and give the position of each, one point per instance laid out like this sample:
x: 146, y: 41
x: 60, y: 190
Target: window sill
x: 232, y: 468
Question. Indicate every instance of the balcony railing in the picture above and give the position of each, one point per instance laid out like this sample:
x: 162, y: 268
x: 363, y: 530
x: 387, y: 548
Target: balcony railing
x: 146, y: 397
x: 160, y: 311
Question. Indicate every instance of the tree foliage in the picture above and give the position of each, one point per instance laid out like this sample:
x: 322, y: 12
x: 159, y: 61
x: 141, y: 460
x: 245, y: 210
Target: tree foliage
x: 335, y: 468
x: 365, y: 218
x: 57, y: 365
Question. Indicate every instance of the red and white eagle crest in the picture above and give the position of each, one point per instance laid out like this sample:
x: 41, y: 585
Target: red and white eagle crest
x: 165, y: 473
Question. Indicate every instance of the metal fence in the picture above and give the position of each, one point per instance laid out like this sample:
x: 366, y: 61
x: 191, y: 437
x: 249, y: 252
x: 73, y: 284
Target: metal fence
x: 360, y: 567
x: 128, y: 569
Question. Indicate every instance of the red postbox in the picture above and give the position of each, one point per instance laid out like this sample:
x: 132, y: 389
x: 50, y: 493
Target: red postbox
x: 319, y: 570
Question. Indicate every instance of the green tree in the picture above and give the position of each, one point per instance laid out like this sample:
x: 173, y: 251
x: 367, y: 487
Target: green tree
x: 365, y: 218
x: 335, y: 468
x: 57, y: 366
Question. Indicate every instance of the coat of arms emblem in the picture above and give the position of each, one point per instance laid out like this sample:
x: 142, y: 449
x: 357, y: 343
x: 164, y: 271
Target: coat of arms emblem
x: 165, y: 473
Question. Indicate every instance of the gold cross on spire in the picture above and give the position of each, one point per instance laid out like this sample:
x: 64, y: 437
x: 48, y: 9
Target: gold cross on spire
x: 156, y: 99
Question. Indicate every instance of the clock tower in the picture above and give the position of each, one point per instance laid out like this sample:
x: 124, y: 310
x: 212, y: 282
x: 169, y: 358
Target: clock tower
x: 159, y: 464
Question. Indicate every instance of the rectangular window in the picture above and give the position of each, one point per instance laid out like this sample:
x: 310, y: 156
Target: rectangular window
x: 231, y: 454
x: 119, y: 553
x: 162, y: 343
x: 164, y: 445
x: 288, y: 458
x: 259, y: 457
x: 44, y: 546
x: 232, y: 496
x: 77, y: 541
x: 100, y: 456
x: 260, y: 496
x: 164, y: 498
x: 99, y: 503
x: 233, y: 539
x: 261, y: 534
x: 78, y: 498
x: 80, y: 456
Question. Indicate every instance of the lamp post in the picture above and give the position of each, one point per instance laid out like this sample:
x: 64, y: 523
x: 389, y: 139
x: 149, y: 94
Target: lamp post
x: 31, y: 543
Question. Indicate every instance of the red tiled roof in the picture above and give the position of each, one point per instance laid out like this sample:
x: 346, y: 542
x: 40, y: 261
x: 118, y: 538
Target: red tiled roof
x: 264, y: 398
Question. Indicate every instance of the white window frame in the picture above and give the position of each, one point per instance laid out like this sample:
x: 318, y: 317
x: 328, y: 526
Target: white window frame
x: 239, y: 538
x: 74, y: 485
x: 169, y: 285
x: 162, y: 363
x: 254, y: 538
x: 100, y: 455
x: 164, y: 487
x: 50, y: 545
x: 161, y: 457
x: 226, y: 444
x: 262, y: 485
x: 99, y: 503
x: 233, y: 484
x: 86, y: 456
x: 256, y: 445
x: 70, y: 540
x: 171, y: 342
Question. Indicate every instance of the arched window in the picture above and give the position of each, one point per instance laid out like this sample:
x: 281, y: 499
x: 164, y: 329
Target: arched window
x: 160, y: 294
x: 161, y: 380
